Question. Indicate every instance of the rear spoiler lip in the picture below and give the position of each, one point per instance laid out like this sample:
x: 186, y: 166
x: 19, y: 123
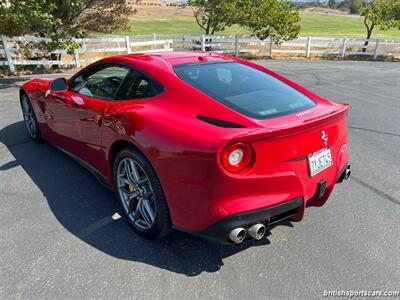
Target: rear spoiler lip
x: 266, y: 133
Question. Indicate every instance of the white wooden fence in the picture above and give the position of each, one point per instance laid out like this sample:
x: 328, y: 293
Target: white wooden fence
x: 303, y: 46
x: 340, y: 47
x: 92, y: 49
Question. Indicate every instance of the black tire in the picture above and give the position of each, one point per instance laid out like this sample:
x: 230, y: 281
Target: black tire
x: 162, y: 221
x: 33, y: 132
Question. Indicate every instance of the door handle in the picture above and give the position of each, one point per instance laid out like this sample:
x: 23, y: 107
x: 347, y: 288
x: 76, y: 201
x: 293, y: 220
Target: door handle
x: 58, y: 96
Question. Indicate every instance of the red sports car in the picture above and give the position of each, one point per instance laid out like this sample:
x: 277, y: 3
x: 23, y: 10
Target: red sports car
x: 205, y: 143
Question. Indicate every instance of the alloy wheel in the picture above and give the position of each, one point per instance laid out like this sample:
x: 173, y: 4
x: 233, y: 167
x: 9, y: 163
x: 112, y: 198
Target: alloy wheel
x: 29, y: 117
x: 136, y: 193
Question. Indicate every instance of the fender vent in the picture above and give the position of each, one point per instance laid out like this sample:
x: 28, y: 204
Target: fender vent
x: 219, y: 123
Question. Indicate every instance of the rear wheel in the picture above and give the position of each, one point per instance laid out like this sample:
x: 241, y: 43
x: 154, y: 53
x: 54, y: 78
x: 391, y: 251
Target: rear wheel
x: 30, y: 120
x: 140, y: 194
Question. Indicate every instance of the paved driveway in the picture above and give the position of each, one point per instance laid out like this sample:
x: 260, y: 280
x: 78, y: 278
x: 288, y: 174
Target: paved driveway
x: 58, y: 238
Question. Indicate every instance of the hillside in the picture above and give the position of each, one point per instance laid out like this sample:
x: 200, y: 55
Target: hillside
x: 160, y: 17
x: 159, y: 8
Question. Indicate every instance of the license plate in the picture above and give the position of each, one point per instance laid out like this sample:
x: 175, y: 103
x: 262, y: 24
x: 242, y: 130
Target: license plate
x: 319, y: 161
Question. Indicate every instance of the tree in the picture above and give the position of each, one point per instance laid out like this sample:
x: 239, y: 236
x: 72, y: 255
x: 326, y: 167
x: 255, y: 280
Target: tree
x: 332, y: 4
x: 211, y: 15
x: 382, y: 13
x: 105, y: 16
x: 271, y: 19
x: 62, y: 20
x: 353, y: 6
x: 264, y: 18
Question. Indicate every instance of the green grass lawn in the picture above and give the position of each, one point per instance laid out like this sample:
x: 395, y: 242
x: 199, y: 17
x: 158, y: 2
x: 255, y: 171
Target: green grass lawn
x: 311, y: 25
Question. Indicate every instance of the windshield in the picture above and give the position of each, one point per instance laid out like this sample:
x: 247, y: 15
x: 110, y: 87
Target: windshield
x: 244, y: 89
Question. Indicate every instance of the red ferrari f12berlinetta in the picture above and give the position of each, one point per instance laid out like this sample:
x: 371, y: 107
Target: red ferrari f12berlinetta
x: 213, y: 145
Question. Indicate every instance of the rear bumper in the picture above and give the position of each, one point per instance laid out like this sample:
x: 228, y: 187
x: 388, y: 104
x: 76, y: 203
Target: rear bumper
x: 292, y: 209
x: 219, y: 232
x: 199, y: 199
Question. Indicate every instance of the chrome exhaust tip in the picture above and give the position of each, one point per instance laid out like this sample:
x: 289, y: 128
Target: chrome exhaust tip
x: 257, y: 231
x: 237, y: 235
x: 348, y: 173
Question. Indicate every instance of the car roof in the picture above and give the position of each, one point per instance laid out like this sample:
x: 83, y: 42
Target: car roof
x: 155, y: 63
x: 176, y: 58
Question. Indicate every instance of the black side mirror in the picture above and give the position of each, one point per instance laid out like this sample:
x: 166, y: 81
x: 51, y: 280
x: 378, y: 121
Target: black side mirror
x: 59, y: 85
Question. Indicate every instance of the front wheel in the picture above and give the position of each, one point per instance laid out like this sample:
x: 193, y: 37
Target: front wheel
x: 140, y: 194
x: 30, y: 120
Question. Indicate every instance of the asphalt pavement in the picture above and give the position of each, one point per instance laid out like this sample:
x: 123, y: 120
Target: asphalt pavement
x: 61, y: 237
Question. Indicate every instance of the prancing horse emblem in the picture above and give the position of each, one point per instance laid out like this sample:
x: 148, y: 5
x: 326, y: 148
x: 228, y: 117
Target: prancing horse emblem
x: 324, y: 137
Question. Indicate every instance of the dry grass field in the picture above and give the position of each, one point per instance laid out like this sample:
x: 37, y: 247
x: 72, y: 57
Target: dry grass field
x: 158, y: 8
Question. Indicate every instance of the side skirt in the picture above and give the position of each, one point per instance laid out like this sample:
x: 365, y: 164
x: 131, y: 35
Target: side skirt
x: 96, y: 173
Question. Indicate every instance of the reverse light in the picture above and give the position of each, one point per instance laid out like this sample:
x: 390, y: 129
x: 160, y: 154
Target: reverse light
x: 237, y: 157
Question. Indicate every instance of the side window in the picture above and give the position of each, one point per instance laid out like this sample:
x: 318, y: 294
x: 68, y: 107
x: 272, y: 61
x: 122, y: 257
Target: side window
x: 138, y: 86
x: 101, y: 82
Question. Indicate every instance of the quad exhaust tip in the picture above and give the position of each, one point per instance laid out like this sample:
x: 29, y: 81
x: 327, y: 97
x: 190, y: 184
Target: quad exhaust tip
x: 257, y: 231
x: 348, y: 173
x: 237, y: 235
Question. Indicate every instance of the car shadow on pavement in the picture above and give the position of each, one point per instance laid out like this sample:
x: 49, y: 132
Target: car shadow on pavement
x: 12, y: 82
x: 91, y: 213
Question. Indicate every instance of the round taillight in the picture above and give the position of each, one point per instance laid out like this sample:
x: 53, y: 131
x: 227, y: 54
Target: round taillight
x: 237, y: 157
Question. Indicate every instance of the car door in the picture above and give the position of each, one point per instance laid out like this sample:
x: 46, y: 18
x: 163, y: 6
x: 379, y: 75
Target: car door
x: 79, y: 111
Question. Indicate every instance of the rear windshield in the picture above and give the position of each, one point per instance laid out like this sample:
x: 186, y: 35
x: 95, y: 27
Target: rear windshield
x: 244, y: 89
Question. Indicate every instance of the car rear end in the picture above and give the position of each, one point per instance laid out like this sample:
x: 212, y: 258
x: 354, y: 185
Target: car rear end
x: 292, y: 157
x: 288, y: 169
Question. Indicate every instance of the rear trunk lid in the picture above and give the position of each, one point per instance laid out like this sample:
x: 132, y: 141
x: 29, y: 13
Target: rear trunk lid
x: 300, y: 134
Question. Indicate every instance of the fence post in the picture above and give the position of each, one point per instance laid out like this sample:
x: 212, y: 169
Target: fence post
x: 76, y: 58
x: 271, y: 45
x: 128, y: 45
x: 154, y: 39
x: 236, y: 45
x: 376, y: 52
x: 8, y: 54
x: 169, y: 44
x: 183, y: 41
x: 203, y: 43
x: 308, y: 47
x: 344, y: 47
